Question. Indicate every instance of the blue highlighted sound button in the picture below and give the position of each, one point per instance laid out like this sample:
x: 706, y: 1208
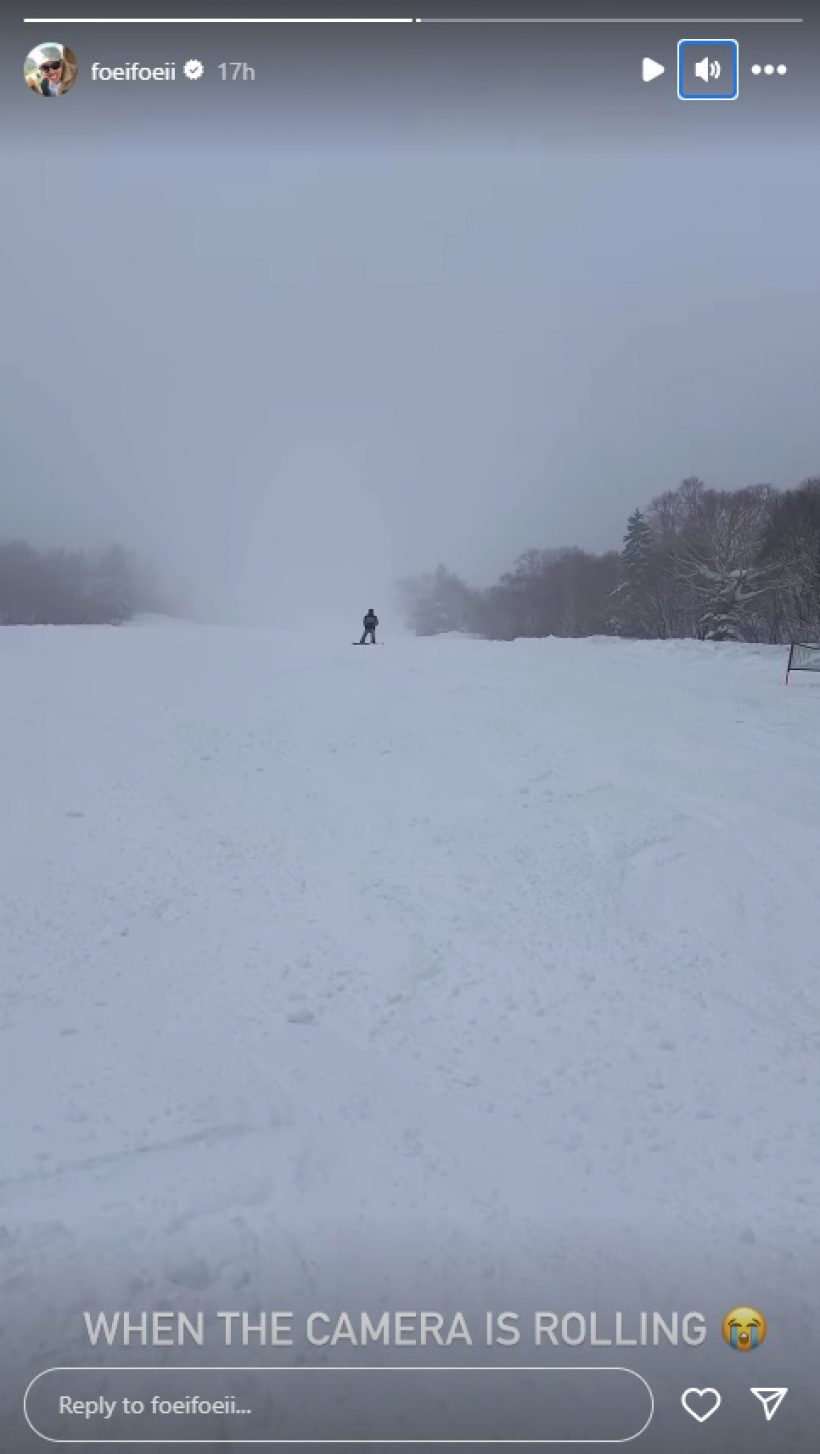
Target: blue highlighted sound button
x: 708, y: 70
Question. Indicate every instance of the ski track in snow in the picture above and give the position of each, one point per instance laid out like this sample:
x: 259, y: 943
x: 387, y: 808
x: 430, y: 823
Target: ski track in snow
x: 454, y: 934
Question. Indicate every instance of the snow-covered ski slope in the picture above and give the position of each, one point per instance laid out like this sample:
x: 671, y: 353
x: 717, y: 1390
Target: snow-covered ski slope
x: 506, y: 943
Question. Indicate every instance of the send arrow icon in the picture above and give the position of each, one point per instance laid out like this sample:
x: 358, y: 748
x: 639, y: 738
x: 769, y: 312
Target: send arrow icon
x: 771, y: 1399
x: 650, y: 69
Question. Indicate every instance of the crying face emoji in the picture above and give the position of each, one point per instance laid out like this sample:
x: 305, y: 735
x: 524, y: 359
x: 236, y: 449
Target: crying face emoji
x: 744, y: 1329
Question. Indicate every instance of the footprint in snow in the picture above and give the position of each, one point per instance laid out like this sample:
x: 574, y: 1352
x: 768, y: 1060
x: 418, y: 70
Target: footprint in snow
x: 302, y: 1017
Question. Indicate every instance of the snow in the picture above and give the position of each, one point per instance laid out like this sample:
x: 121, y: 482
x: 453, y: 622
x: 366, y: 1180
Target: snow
x: 482, y: 952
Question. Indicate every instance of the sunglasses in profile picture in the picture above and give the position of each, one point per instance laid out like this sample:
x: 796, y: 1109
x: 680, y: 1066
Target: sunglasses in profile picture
x: 50, y: 69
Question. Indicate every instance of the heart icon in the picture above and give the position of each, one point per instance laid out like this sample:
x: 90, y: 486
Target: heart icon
x: 701, y: 1403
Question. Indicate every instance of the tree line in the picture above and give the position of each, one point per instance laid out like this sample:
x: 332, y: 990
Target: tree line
x: 718, y: 565
x: 72, y: 587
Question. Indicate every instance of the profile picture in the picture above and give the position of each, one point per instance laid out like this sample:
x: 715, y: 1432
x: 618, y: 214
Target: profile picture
x: 50, y: 69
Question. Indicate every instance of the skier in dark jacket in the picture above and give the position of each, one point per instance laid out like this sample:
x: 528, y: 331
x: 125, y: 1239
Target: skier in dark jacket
x: 371, y: 621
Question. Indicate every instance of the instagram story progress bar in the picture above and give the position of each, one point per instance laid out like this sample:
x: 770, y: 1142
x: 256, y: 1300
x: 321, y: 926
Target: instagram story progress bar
x: 409, y: 20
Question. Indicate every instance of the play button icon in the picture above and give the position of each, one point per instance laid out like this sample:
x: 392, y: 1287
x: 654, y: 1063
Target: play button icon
x: 650, y: 69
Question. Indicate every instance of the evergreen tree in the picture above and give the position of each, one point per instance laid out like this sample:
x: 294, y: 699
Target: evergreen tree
x: 630, y: 610
x: 439, y: 602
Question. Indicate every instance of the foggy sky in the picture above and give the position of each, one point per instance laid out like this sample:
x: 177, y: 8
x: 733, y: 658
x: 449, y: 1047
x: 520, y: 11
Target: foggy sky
x: 294, y: 368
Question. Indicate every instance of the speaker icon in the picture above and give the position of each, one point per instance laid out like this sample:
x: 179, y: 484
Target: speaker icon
x: 707, y: 70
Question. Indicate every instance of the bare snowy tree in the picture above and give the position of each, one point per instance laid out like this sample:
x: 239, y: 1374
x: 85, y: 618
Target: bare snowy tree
x: 718, y: 558
x: 791, y: 549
